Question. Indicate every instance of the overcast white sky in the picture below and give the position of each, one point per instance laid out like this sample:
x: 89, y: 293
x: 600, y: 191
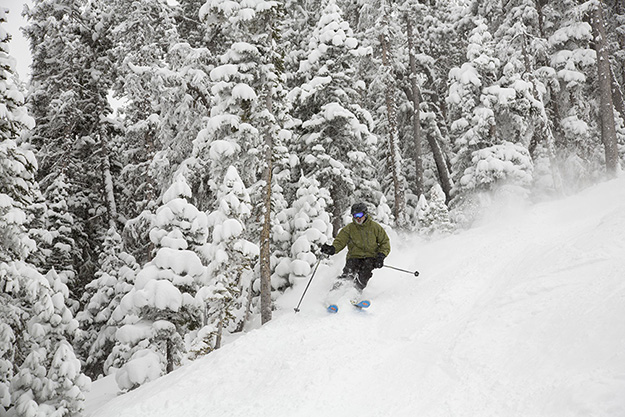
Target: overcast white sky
x: 18, y: 46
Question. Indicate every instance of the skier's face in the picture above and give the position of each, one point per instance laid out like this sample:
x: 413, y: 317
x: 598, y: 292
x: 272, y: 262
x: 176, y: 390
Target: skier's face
x: 360, y: 217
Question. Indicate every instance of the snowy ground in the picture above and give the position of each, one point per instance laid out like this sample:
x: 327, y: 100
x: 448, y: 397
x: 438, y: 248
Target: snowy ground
x: 520, y: 317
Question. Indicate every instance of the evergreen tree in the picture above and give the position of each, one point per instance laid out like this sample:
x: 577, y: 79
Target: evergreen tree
x: 473, y: 123
x: 14, y: 117
x: 163, y: 85
x: 102, y: 296
x: 62, y: 250
x: 335, y: 127
x: 489, y: 126
x: 49, y: 381
x: 522, y: 116
x: 71, y: 77
x: 573, y: 100
x: 18, y: 167
x: 233, y: 256
x: 246, y: 124
x: 302, y: 16
x: 383, y: 213
x: 161, y: 308
x: 17, y: 191
x: 40, y: 373
x: 434, y: 215
x: 302, y: 229
x: 422, y: 213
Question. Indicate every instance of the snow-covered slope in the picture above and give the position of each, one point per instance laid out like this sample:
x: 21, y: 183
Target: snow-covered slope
x: 520, y: 317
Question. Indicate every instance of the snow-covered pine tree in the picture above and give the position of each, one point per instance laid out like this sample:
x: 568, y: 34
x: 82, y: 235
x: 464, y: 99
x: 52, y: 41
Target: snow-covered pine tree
x: 573, y: 101
x: 521, y: 116
x: 71, y: 78
x: 61, y: 250
x: 49, y: 381
x: 18, y: 189
x: 422, y: 213
x: 231, y: 136
x: 434, y: 215
x: 246, y: 124
x: 113, y: 280
x: 383, y: 213
x: 336, y: 144
x: 485, y: 158
x: 471, y: 122
x: 164, y: 96
x: 161, y: 309
x: 227, y: 296
x: 14, y: 117
x: 18, y: 166
x: 40, y: 374
x: 301, y: 230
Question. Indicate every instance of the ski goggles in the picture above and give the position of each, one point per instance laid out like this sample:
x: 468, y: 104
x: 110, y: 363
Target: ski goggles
x: 359, y: 215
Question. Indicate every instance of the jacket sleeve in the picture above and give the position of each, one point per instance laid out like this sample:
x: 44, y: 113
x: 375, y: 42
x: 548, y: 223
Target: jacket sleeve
x: 384, y: 243
x: 342, y: 239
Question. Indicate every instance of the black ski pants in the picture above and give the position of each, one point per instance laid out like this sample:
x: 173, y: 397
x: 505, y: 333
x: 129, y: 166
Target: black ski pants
x: 358, y: 270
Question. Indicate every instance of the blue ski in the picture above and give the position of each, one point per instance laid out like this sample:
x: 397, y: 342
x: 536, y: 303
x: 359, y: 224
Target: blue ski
x: 333, y: 308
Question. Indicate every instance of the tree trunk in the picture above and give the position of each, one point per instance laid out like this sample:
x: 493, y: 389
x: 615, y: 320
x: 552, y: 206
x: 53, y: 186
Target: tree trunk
x: 248, y: 306
x: 608, y: 128
x: 441, y: 166
x: 265, y: 234
x: 416, y: 115
x: 539, y: 9
x: 107, y: 179
x: 617, y: 95
x: 337, y: 213
x: 391, y: 111
x: 170, y: 355
x: 220, y: 326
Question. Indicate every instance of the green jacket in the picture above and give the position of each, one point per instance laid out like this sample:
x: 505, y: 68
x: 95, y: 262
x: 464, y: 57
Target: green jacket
x: 363, y: 240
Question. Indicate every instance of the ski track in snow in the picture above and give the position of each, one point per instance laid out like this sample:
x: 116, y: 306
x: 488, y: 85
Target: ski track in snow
x: 519, y: 317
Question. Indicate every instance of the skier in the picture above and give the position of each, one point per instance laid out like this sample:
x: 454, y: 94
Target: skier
x: 367, y: 246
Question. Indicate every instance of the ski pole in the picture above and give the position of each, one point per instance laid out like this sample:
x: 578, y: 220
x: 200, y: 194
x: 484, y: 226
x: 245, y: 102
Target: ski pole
x: 308, y: 285
x: 415, y: 273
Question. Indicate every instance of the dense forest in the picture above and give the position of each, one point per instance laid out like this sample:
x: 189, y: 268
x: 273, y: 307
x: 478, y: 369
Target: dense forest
x: 171, y: 167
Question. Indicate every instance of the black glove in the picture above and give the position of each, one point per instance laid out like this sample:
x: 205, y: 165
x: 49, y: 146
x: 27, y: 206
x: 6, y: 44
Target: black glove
x: 379, y: 260
x: 328, y: 249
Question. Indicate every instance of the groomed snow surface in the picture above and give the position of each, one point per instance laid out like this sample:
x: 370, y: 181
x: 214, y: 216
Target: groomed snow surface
x: 522, y: 316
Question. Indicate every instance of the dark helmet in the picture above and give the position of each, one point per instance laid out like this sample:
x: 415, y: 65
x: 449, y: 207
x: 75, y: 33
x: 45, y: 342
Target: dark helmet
x: 359, y: 208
